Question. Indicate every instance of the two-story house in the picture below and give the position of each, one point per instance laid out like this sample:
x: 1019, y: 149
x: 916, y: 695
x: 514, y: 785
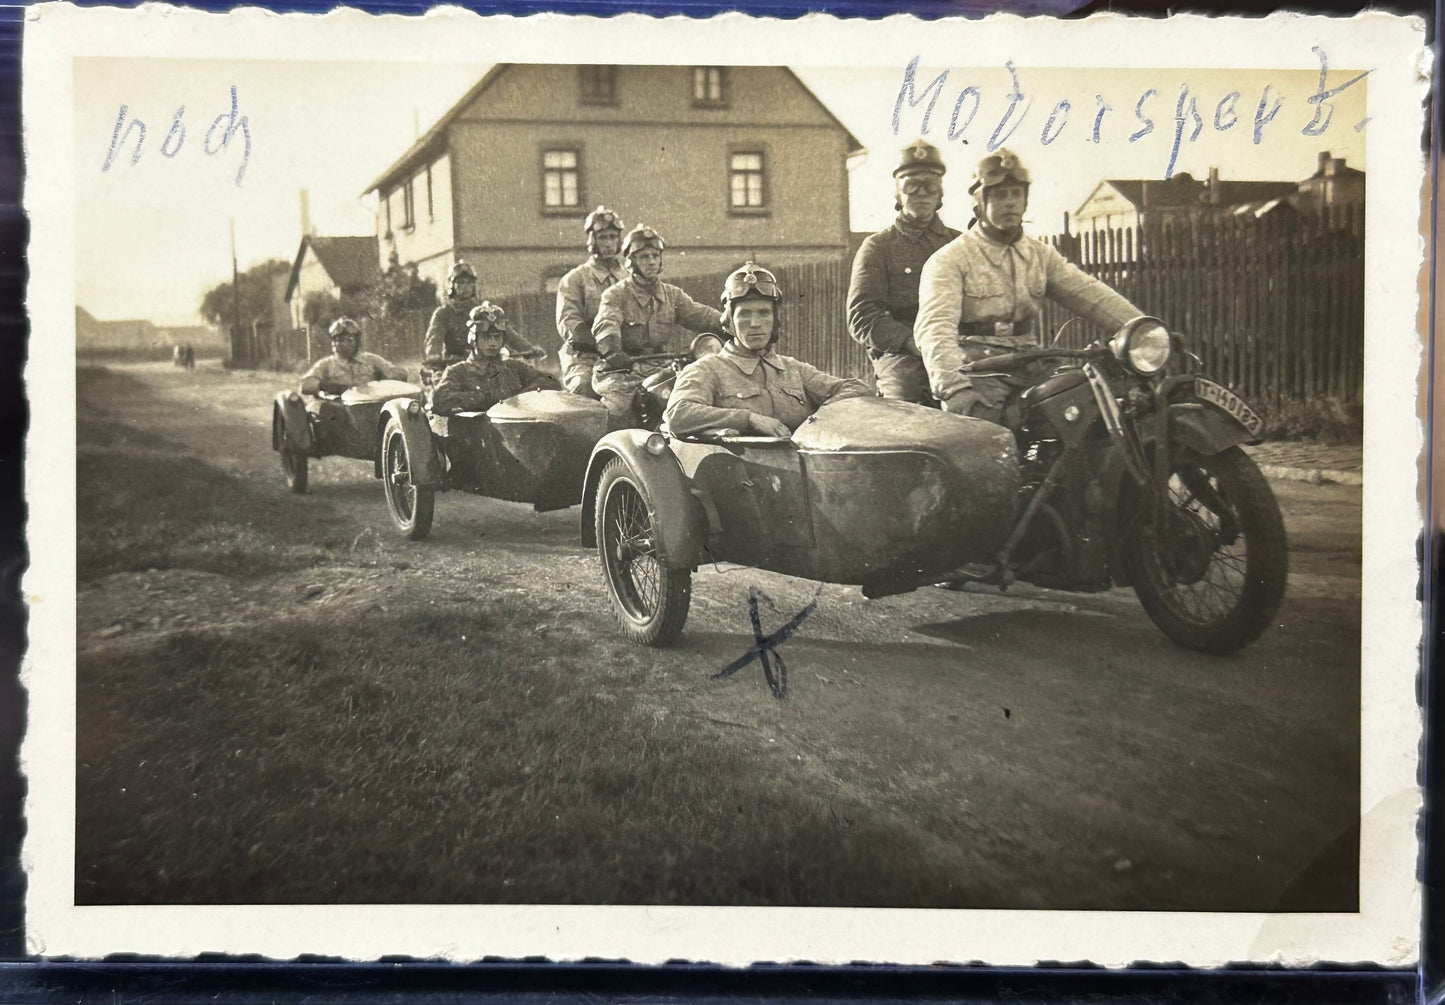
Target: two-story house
x: 726, y: 162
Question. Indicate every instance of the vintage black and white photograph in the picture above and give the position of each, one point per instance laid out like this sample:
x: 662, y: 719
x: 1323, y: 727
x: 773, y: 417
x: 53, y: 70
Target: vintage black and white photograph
x: 572, y: 487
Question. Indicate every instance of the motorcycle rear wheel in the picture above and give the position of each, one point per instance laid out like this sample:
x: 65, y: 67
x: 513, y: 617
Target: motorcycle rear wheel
x: 649, y: 600
x: 1213, y: 578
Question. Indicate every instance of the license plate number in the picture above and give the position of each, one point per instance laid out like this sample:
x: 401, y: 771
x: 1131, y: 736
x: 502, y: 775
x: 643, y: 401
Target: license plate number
x: 1226, y: 399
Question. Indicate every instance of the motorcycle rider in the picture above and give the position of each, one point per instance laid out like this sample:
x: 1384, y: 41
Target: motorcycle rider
x: 579, y: 295
x: 347, y: 365
x: 981, y: 295
x: 883, y: 291
x: 748, y: 386
x: 482, y: 379
x: 446, y: 335
x: 641, y: 315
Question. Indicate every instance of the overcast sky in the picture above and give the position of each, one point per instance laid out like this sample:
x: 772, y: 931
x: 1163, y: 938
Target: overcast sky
x: 154, y: 234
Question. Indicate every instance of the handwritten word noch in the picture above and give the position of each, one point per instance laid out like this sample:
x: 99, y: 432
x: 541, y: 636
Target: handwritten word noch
x: 1190, y: 116
x: 224, y: 129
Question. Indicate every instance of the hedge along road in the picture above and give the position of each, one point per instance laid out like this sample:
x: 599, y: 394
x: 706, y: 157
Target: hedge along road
x: 280, y: 700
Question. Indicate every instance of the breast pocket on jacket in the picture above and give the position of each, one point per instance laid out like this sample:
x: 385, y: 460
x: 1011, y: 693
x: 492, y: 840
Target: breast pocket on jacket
x: 984, y: 297
x: 634, y: 336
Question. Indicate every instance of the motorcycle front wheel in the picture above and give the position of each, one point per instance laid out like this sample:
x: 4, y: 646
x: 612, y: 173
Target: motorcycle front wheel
x: 1213, y: 575
x: 649, y: 600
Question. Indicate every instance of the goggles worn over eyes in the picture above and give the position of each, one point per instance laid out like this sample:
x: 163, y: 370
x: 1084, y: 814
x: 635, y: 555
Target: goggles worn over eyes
x: 998, y: 169
x: 752, y: 280
x: 927, y: 186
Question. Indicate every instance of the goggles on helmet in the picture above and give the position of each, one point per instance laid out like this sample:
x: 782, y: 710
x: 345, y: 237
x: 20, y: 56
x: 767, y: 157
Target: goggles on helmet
x: 486, y: 317
x: 752, y: 280
x: 343, y: 328
x: 642, y: 237
x: 997, y: 169
x: 462, y: 271
x: 602, y: 218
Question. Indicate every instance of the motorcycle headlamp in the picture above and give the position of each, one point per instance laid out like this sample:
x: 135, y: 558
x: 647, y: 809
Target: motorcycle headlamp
x: 1143, y: 345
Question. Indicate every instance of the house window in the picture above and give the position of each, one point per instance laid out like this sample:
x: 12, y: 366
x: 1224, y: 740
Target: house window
x: 597, y: 85
x: 561, y: 179
x: 408, y: 207
x: 387, y: 201
x: 748, y: 188
x: 709, y: 86
x: 430, y: 207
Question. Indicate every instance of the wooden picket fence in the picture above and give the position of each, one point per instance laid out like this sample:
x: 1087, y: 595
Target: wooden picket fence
x: 1275, y: 307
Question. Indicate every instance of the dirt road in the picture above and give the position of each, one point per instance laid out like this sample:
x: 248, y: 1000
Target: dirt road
x: 1037, y: 749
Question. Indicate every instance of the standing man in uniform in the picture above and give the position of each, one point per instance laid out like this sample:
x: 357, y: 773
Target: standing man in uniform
x: 446, y: 335
x: 641, y: 315
x: 579, y: 295
x: 982, y: 293
x: 482, y: 379
x: 883, y: 294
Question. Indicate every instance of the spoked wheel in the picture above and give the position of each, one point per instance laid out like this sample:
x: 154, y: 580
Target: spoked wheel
x: 411, y: 505
x: 649, y: 600
x: 1212, y: 577
x: 294, y: 465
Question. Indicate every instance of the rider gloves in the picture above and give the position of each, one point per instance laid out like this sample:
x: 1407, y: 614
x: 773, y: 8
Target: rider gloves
x: 616, y: 361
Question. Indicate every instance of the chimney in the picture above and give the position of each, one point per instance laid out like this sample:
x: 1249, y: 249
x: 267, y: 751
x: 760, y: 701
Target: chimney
x: 1324, y: 161
x: 1214, y: 193
x: 306, y: 214
x: 1334, y: 166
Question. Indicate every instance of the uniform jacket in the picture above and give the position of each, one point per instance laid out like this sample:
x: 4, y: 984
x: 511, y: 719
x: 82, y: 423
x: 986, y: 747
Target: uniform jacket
x: 364, y: 366
x: 475, y: 385
x: 722, y: 390
x: 883, y: 293
x: 638, y: 321
x: 579, y: 296
x: 446, y: 335
x: 976, y: 278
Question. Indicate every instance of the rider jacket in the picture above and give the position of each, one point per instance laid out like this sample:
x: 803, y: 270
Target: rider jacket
x: 364, y: 366
x: 720, y: 391
x: 883, y: 292
x: 579, y: 296
x: 446, y: 335
x: 640, y: 321
x: 475, y: 385
x: 984, y: 289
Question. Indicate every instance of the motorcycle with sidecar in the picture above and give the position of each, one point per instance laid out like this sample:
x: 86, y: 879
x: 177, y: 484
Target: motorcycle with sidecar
x: 1124, y: 468
x: 343, y: 427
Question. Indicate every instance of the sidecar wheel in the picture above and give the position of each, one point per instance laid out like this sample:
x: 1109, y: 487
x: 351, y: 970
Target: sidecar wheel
x: 294, y: 465
x: 1213, y: 578
x: 649, y: 600
x: 411, y: 506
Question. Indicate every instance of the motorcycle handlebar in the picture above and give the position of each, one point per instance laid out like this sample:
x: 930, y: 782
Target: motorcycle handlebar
x: 1009, y: 360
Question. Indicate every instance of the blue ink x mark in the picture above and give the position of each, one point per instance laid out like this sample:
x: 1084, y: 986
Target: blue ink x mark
x: 766, y: 645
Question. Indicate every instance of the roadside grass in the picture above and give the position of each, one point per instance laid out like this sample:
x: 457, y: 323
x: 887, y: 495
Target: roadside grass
x: 449, y: 757
x: 142, y: 503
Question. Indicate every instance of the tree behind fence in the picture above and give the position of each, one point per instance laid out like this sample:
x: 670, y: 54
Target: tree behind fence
x: 1274, y: 307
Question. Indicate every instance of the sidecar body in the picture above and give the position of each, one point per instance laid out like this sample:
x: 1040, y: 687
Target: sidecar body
x: 530, y: 448
x: 872, y: 492
x: 304, y: 427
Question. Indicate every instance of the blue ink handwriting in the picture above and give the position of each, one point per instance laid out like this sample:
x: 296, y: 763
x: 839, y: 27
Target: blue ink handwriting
x: 1189, y: 121
x: 224, y: 129
x: 765, y: 647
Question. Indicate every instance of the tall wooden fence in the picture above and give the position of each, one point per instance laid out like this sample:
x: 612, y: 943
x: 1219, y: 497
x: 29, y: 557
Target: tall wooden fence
x: 814, y: 311
x: 1275, y: 307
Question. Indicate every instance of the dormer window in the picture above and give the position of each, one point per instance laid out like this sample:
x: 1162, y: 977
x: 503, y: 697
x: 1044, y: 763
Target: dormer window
x: 709, y: 86
x: 597, y: 85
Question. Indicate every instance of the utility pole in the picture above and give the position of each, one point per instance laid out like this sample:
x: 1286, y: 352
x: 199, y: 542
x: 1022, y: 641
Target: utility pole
x: 238, y: 357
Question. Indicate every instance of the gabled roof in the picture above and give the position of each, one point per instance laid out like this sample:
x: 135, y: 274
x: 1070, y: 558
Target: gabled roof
x: 433, y: 141
x: 1185, y: 190
x: 351, y: 262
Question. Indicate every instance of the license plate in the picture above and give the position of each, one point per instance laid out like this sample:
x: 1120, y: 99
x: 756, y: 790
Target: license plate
x: 1226, y: 399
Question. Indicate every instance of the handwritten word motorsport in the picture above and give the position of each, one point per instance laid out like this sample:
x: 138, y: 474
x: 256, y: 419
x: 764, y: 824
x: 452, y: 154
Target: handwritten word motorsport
x: 224, y: 129
x: 1189, y: 121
